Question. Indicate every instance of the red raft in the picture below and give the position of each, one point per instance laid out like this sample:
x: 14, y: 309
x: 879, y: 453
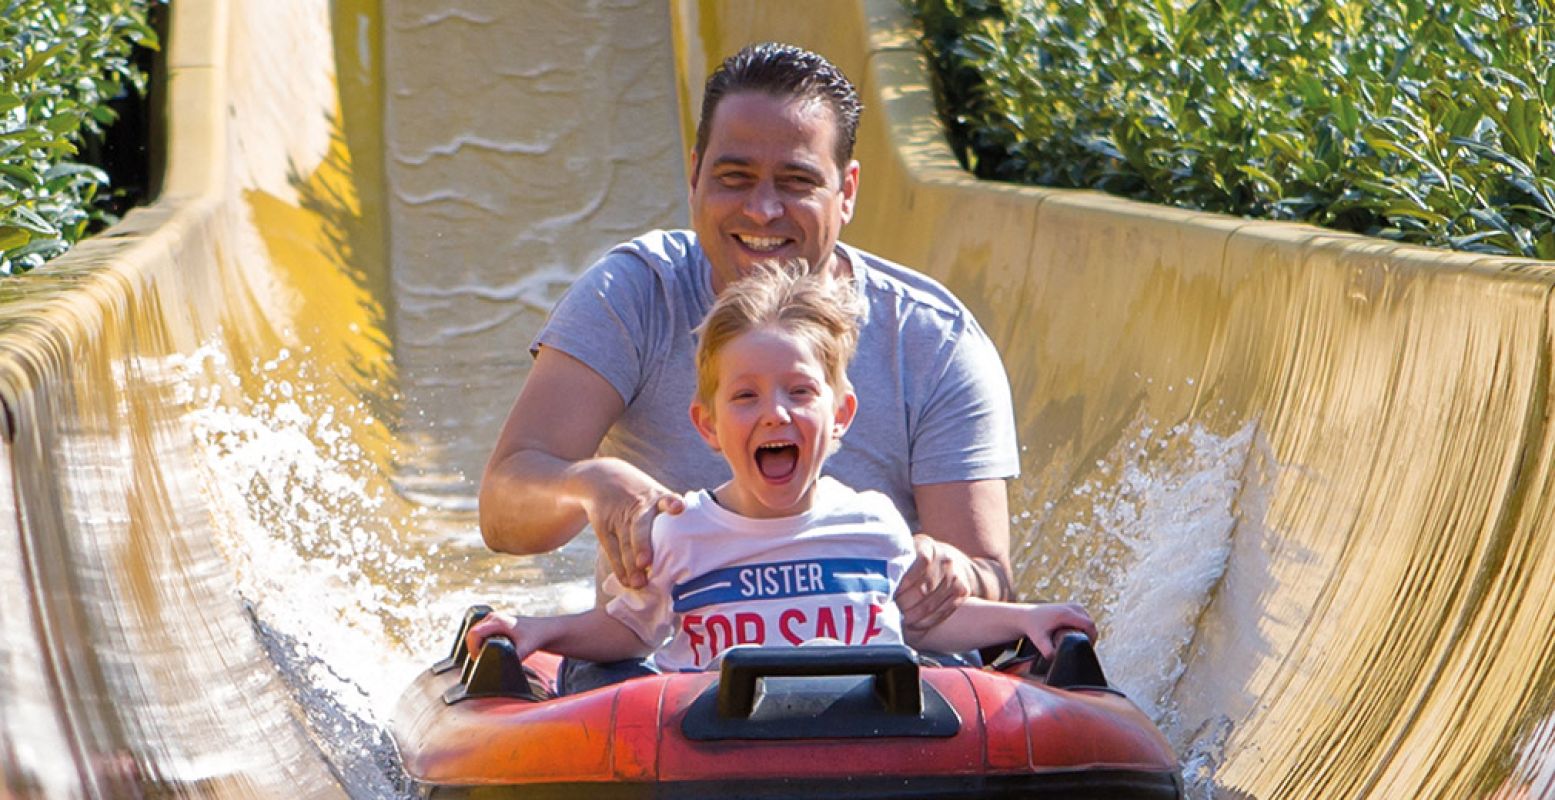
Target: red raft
x: 834, y: 722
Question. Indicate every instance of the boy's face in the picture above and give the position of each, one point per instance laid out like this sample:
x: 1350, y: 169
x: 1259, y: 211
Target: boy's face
x: 775, y: 419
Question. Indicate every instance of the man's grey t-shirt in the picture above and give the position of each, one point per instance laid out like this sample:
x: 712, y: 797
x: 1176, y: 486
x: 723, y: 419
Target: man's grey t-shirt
x: 934, y: 402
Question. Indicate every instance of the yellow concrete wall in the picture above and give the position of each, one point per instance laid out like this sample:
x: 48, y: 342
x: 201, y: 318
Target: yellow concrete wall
x: 127, y: 664
x: 1384, y: 629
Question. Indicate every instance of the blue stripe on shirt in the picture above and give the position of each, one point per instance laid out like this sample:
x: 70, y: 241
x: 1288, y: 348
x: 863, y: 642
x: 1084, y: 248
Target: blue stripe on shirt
x: 782, y: 579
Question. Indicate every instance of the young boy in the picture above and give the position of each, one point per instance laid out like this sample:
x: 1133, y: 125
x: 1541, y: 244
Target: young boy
x: 778, y: 555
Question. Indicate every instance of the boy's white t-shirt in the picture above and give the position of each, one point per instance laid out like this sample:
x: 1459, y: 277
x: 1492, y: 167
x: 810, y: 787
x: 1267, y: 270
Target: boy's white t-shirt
x: 720, y: 579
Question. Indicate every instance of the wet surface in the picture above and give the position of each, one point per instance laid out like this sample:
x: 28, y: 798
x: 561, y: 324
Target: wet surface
x: 1307, y: 511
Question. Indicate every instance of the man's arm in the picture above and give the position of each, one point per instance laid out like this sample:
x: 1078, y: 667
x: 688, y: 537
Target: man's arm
x: 543, y: 482
x: 973, y: 519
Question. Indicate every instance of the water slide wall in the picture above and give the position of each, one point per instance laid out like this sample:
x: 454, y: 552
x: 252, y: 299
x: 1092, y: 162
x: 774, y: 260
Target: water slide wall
x: 1383, y: 626
x: 1300, y: 476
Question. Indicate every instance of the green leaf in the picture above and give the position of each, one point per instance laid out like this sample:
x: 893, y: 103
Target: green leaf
x: 48, y: 248
x: 37, y: 61
x: 1260, y: 176
x: 1424, y: 215
x: 70, y: 169
x: 63, y: 123
x: 12, y: 237
x: 24, y: 217
x: 23, y: 175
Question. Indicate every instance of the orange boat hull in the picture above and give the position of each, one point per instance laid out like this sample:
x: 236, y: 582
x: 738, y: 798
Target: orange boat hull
x: 1008, y: 736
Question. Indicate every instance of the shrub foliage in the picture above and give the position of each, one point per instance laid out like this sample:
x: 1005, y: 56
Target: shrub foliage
x: 1415, y: 120
x: 61, y: 63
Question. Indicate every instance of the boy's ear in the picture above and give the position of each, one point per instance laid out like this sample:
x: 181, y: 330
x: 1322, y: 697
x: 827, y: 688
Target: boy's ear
x: 702, y: 418
x: 847, y: 406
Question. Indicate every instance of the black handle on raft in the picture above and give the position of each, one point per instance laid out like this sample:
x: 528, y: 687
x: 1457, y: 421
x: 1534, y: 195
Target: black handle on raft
x: 1075, y: 665
x: 459, y: 654
x: 893, y: 666
x: 495, y: 672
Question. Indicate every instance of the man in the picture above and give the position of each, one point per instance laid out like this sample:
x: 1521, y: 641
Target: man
x: 600, y: 432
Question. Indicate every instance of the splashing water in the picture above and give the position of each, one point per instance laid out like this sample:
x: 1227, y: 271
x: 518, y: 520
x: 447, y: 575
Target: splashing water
x: 1144, y: 543
x: 1175, y: 521
x: 350, y: 588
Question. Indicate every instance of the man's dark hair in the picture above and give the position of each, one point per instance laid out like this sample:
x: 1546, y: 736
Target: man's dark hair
x: 783, y: 70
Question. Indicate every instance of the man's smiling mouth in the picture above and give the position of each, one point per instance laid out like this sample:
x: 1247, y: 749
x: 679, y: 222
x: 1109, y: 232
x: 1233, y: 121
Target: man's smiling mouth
x: 777, y: 461
x: 761, y: 244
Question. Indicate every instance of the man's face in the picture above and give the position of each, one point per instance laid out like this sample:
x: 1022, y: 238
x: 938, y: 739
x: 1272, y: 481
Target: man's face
x: 768, y: 187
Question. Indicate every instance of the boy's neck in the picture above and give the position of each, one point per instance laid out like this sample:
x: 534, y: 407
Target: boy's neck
x: 719, y: 497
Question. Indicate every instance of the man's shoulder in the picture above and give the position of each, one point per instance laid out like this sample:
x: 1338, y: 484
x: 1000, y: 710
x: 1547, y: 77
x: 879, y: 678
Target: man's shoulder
x: 884, y: 279
x: 671, y: 255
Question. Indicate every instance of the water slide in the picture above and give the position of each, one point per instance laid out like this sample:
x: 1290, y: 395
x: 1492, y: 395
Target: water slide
x: 1299, y: 476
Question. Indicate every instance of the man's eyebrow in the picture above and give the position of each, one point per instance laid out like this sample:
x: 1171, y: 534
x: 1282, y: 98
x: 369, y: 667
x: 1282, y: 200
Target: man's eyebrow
x: 788, y: 166
x: 806, y: 167
x: 731, y: 161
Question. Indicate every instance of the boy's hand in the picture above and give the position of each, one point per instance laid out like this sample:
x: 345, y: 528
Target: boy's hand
x: 939, y: 579
x: 524, y: 632
x: 1050, y: 621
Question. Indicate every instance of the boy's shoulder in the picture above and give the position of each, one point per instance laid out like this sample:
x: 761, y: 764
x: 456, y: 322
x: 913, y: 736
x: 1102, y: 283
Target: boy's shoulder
x: 841, y: 500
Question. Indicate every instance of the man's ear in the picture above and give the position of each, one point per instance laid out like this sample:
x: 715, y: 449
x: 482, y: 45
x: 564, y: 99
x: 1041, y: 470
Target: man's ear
x: 849, y: 191
x: 847, y: 406
x: 702, y: 418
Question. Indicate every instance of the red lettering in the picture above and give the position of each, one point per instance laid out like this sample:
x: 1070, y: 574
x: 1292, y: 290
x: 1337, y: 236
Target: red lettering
x: 688, y: 625
x: 716, y: 644
x: 750, y: 628
x: 825, y: 625
x: 786, y: 620
x: 873, y: 629
x: 847, y: 612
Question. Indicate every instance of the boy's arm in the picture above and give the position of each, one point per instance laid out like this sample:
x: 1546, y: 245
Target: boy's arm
x: 593, y: 635
x: 980, y: 623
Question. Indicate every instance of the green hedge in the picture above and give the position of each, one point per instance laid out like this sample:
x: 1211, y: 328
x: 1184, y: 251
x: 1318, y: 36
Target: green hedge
x: 61, y: 64
x: 1415, y: 120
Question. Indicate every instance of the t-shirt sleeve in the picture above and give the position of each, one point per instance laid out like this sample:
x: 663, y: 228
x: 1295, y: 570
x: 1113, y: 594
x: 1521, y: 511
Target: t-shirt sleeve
x: 647, y: 611
x: 603, y: 321
x: 967, y: 428
x: 895, y: 543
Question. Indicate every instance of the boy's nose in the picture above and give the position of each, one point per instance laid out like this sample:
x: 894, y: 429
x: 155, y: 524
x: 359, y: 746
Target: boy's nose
x: 777, y: 414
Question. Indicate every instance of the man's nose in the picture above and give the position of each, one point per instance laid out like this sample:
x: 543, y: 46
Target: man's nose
x: 763, y: 203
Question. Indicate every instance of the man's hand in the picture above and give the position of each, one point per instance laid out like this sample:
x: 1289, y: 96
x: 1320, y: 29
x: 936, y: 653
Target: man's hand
x: 935, y: 585
x: 622, y: 502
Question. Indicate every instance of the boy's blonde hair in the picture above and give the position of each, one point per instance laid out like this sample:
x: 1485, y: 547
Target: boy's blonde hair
x: 822, y: 311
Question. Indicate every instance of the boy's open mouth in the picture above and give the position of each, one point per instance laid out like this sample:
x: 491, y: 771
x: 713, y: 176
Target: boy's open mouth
x: 777, y: 461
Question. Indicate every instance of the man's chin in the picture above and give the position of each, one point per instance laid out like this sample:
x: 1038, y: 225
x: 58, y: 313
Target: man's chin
x: 750, y: 263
